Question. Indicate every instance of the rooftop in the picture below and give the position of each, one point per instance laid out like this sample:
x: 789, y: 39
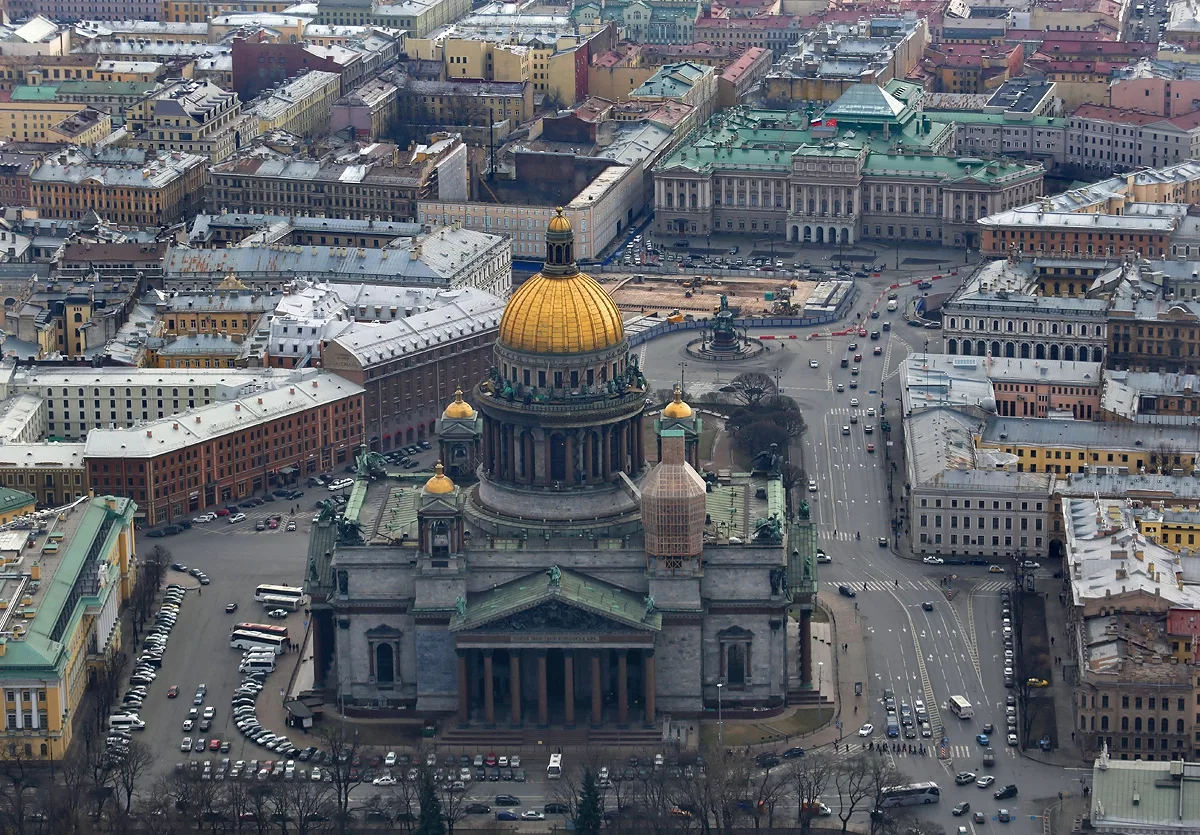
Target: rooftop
x: 1141, y: 796
x: 49, y: 454
x: 937, y: 440
x: 151, y: 439
x: 1089, y: 435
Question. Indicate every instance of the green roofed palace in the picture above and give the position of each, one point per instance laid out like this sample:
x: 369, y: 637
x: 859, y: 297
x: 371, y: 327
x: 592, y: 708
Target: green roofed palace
x: 869, y: 166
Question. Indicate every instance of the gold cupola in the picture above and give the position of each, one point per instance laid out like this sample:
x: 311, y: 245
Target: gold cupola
x: 459, y: 409
x: 440, y: 484
x: 677, y: 409
x: 560, y: 310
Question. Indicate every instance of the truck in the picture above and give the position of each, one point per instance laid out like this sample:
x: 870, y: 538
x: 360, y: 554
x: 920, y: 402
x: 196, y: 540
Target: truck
x: 989, y: 757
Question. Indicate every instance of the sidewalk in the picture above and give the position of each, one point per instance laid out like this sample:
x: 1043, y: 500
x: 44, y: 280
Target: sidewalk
x: 1067, y: 750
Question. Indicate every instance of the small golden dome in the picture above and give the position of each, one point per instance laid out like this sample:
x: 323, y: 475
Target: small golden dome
x: 677, y: 408
x: 560, y: 310
x: 559, y: 222
x: 459, y: 409
x: 440, y: 483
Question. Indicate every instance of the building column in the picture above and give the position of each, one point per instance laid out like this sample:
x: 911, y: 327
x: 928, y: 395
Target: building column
x: 543, y: 705
x: 651, y: 684
x: 489, y: 696
x: 597, y: 696
x: 510, y: 446
x: 464, y: 693
x: 569, y: 686
x: 527, y: 444
x: 622, y: 687
x: 546, y: 480
x: 572, y: 471
x: 806, y: 648
x: 622, y: 444
x: 589, y: 444
x: 514, y: 688
x: 605, y: 454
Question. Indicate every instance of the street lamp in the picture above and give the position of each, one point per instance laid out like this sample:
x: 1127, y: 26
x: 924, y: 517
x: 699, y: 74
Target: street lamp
x: 682, y: 367
x: 820, y: 679
x: 720, y: 721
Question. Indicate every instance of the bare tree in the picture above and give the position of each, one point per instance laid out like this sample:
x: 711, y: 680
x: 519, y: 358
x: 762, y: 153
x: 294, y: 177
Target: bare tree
x: 309, y: 804
x: 19, y: 776
x: 852, y: 779
x: 809, y: 777
x: 750, y: 387
x: 766, y: 790
x: 131, y: 767
x: 881, y: 773
x: 343, y: 747
x: 719, y: 793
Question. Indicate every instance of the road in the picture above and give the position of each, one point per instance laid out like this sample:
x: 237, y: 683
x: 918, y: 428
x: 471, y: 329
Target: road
x: 917, y: 654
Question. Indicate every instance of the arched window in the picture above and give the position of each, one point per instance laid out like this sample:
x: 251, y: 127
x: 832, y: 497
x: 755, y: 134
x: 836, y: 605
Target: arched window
x: 385, y: 664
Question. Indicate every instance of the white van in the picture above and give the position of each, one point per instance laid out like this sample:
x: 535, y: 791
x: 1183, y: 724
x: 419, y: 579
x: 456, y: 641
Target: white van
x: 126, y: 721
x: 893, y: 305
x: 265, y: 664
x: 341, y: 484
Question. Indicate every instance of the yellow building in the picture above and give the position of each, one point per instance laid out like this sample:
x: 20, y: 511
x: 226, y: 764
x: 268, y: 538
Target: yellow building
x: 1043, y: 445
x: 194, y: 116
x: 189, y: 11
x: 14, y: 503
x: 301, y: 106
x: 53, y: 121
x: 59, y: 620
x: 203, y: 350
x: 1175, y: 528
x: 223, y: 313
x: 53, y: 472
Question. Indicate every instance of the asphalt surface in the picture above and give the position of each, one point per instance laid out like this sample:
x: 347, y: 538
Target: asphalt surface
x: 955, y: 649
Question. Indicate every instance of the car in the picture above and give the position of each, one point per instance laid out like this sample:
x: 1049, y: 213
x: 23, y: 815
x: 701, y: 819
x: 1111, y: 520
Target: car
x: 883, y: 542
x: 962, y: 778
x: 927, y: 606
x: 926, y: 731
x: 188, y: 725
x: 812, y: 485
x: 846, y: 591
x: 982, y: 739
x: 854, y: 370
x: 477, y: 809
x: 291, y: 526
x: 208, y: 712
x: 840, y: 388
x: 234, y: 518
x: 793, y: 753
x: 979, y: 817
x: 385, y: 780
x: 178, y: 566
x: 172, y: 691
x: 1003, y: 816
x: 995, y: 569
x: 506, y: 815
x: 853, y: 401
x: 507, y: 800
x: 985, y: 781
x: 877, y: 350
x: 1012, y: 740
x: 866, y: 730
x: 186, y: 745
x: 1037, y: 682
x: 214, y: 745
x: 230, y: 608
x: 857, y: 358
x: 813, y: 364
x: 198, y: 699
x: 933, y: 561
x: 960, y: 809
x: 1031, y: 564
x: 533, y: 815
x: 278, y: 614
x: 1008, y: 791
x: 852, y: 347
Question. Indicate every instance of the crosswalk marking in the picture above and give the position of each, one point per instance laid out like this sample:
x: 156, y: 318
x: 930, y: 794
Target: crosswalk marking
x: 875, y: 585
x: 992, y: 585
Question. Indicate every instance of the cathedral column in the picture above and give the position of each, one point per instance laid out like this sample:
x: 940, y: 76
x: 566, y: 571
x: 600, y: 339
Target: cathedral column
x: 597, y: 698
x: 605, y: 454
x: 489, y: 700
x: 589, y: 444
x: 622, y: 687
x: 639, y: 434
x: 806, y: 648
x: 464, y: 693
x: 546, y: 479
x: 572, y: 471
x: 650, y: 683
x: 569, y: 686
x: 527, y: 444
x: 622, y: 444
x: 511, y: 447
x: 514, y: 689
x: 543, y: 705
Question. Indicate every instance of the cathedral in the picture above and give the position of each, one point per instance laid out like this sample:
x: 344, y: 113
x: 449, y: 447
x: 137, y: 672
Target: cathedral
x: 567, y: 565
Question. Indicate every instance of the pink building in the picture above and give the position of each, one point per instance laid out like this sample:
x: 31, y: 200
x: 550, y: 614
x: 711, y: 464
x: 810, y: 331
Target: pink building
x: 1160, y: 96
x: 1033, y: 388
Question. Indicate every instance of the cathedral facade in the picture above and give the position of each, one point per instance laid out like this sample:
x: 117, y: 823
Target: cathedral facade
x: 547, y: 575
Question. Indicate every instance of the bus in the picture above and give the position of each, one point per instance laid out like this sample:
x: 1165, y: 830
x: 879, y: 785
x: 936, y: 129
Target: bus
x: 256, y: 640
x: 961, y: 708
x: 292, y: 592
x: 279, y: 601
x: 554, y: 770
x: 264, y: 628
x: 914, y: 794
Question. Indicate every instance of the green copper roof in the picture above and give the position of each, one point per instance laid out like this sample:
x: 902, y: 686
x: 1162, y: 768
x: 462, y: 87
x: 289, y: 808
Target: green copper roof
x: 576, y: 590
x: 865, y: 101
x: 34, y: 92
x: 12, y: 499
x: 106, y: 88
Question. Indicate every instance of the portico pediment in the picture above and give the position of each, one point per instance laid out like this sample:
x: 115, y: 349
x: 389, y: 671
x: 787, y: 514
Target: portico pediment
x: 557, y: 600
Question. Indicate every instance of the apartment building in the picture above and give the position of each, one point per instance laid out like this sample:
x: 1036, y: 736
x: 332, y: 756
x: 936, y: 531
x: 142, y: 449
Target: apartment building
x: 465, y: 102
x: 301, y: 106
x: 196, y: 117
x: 1067, y: 446
x: 53, y: 472
x: 371, y: 109
x: 158, y: 189
x: 52, y: 121
x: 209, y: 456
x: 1155, y: 335
x: 1108, y: 139
x: 73, y: 579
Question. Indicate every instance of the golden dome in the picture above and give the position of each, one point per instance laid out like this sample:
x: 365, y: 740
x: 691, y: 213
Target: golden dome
x: 677, y: 408
x: 560, y: 310
x: 559, y: 222
x: 440, y: 483
x: 459, y: 409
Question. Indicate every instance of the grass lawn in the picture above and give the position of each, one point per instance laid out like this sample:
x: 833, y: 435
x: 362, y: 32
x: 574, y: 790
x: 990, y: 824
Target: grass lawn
x: 778, y: 729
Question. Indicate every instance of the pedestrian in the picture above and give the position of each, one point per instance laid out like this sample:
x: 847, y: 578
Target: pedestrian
x: 1072, y: 736
x: 200, y: 592
x: 281, y: 692
x: 1051, y: 641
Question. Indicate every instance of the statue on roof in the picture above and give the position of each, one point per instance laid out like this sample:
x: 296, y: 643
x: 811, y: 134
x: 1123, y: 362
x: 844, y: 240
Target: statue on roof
x: 555, y: 576
x: 769, y: 529
x: 804, y: 510
x: 349, y: 532
x: 460, y: 606
x: 649, y: 601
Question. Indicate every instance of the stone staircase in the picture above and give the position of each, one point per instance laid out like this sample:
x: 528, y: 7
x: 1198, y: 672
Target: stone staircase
x: 804, y: 697
x: 502, y: 738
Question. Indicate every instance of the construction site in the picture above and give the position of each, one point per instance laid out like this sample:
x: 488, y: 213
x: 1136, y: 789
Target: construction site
x: 699, y: 296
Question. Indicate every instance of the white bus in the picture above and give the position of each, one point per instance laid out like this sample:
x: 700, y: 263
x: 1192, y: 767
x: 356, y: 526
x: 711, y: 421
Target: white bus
x: 265, y: 590
x: 914, y: 794
x: 265, y: 628
x: 554, y: 770
x: 961, y: 708
x: 278, y: 601
x: 257, y: 640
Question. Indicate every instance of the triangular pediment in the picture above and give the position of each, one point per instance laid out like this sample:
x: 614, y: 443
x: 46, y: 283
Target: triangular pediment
x: 556, y: 600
